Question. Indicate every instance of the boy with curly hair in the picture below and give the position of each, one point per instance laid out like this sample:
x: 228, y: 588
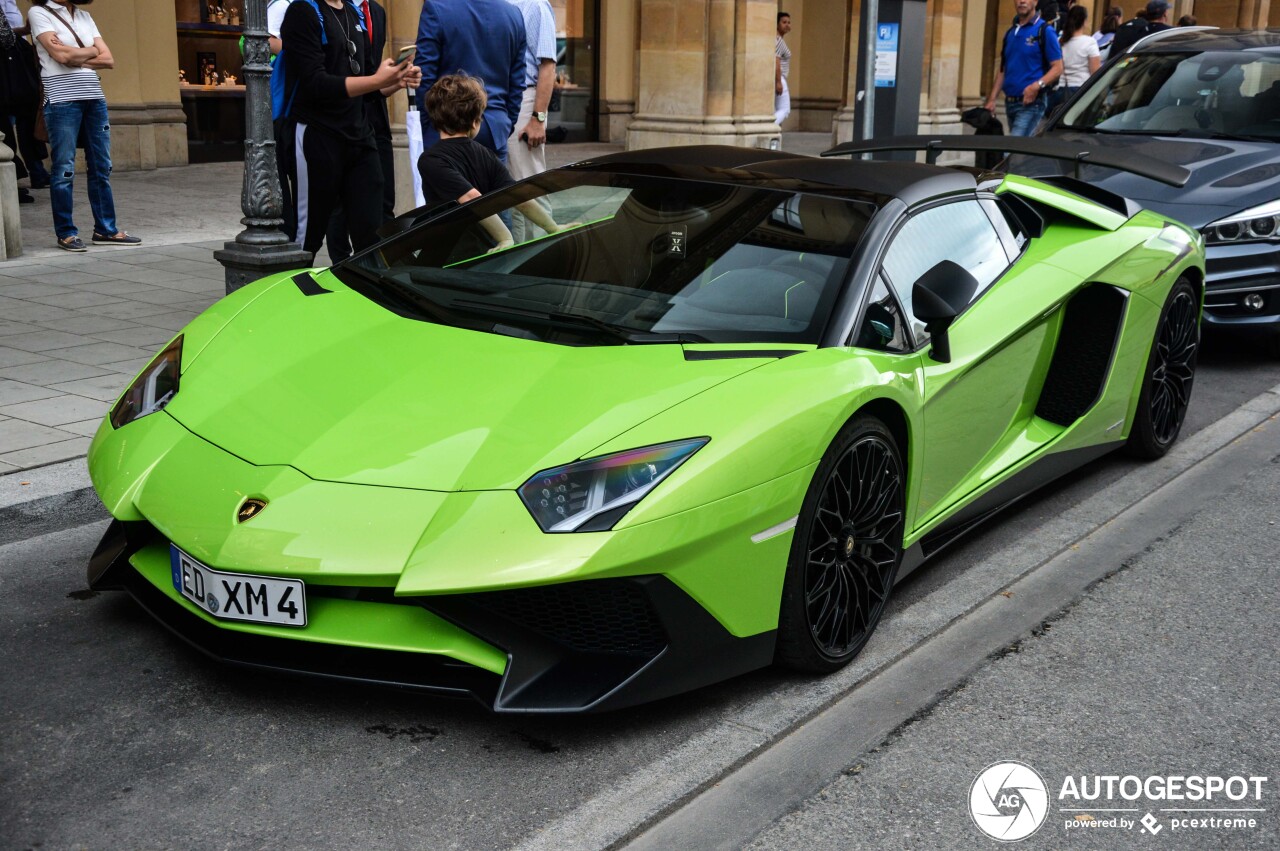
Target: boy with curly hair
x: 458, y: 168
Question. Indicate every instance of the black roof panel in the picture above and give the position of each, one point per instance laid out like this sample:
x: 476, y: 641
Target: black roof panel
x: 911, y: 182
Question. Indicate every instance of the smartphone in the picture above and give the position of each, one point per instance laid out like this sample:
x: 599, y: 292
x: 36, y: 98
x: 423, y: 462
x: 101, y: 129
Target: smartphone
x: 405, y: 54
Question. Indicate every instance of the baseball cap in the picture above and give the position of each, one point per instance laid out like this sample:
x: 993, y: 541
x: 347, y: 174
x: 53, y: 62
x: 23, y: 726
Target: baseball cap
x: 1157, y: 8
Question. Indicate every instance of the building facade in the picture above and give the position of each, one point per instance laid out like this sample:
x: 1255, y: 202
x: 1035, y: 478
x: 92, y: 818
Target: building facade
x: 643, y: 73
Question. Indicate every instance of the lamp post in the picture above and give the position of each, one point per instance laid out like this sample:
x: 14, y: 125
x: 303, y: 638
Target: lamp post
x: 261, y: 248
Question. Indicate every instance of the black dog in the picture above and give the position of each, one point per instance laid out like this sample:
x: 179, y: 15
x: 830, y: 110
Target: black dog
x: 984, y: 123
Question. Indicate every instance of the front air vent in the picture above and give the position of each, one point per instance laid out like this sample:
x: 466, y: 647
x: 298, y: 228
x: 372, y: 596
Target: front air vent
x: 599, y: 616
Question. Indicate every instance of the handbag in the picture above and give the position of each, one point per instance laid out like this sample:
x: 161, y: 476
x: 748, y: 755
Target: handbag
x: 21, y: 82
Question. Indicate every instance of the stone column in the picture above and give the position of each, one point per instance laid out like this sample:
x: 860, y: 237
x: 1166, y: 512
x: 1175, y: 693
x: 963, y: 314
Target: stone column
x: 1247, y: 14
x: 843, y: 128
x: 939, y: 100
x: 617, y: 69
x: 817, y: 43
x: 148, y: 126
x: 10, y: 222
x: 976, y: 54
x: 705, y: 73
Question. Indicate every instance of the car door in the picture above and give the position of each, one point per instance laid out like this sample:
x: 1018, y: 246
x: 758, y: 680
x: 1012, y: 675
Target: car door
x: 978, y: 408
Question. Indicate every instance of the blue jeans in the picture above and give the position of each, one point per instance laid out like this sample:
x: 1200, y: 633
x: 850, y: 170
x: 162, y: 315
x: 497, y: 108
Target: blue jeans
x: 1023, y: 118
x: 66, y: 122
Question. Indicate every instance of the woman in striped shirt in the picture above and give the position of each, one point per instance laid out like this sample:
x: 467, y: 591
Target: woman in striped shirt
x: 71, y: 52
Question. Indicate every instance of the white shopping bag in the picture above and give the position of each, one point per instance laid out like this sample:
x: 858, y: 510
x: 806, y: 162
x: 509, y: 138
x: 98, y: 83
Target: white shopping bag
x: 413, y: 129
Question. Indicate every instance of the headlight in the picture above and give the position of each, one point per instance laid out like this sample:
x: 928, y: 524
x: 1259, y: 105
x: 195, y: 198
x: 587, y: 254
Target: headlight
x: 152, y: 389
x: 592, y: 495
x: 1252, y: 225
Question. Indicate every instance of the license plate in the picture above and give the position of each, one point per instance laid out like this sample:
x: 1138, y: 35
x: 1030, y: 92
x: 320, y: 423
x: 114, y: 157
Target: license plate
x: 239, y: 596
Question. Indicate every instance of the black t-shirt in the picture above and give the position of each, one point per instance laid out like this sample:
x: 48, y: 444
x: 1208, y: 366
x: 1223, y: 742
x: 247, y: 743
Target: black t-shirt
x: 320, y: 71
x: 452, y: 167
x: 1127, y: 34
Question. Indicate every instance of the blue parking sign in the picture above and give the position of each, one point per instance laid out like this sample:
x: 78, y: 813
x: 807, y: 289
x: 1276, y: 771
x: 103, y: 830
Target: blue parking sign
x: 886, y: 56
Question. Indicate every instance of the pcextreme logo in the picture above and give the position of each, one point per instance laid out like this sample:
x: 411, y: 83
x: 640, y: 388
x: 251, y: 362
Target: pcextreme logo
x: 1010, y: 801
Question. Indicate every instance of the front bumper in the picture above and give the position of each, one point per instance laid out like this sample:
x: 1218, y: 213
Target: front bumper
x: 1234, y: 272
x: 456, y: 593
x: 575, y: 647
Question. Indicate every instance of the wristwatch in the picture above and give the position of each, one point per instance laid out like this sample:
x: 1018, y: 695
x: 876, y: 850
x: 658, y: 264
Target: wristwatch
x: 541, y: 117
x: 1040, y: 83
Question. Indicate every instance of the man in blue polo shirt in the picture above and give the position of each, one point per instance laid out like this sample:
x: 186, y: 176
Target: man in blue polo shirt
x: 1030, y: 64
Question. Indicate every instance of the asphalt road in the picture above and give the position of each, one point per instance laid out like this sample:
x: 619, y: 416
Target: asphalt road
x: 114, y: 735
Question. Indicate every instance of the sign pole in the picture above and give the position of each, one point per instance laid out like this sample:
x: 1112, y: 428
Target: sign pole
x: 870, y: 16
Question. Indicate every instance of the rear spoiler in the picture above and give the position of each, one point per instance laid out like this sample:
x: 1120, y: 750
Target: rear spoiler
x: 1034, y: 146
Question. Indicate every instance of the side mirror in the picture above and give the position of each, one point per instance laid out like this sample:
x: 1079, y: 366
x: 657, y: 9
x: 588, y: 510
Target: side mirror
x: 938, y: 298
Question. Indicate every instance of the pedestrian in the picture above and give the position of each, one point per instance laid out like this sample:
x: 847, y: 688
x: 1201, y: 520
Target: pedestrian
x: 1158, y: 16
x: 1030, y: 63
x: 275, y: 19
x: 339, y: 240
x: 71, y: 52
x: 1128, y: 33
x: 1080, y: 57
x: 15, y: 94
x: 326, y: 75
x: 1107, y: 31
x: 485, y: 39
x: 282, y: 128
x: 1187, y: 21
x: 24, y: 80
x: 781, y: 70
x: 526, y: 151
x: 1064, y: 10
x: 457, y: 167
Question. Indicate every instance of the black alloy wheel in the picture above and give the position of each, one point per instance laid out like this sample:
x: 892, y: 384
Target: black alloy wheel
x: 1171, y: 371
x: 845, y: 552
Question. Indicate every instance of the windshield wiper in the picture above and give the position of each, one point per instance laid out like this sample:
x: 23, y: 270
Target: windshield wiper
x: 390, y: 289
x: 621, y: 333
x: 1190, y: 133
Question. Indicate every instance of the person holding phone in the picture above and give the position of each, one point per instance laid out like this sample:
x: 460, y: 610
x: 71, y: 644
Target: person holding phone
x: 338, y: 238
x: 335, y: 137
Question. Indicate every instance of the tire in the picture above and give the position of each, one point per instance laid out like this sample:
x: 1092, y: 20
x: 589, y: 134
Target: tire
x: 845, y: 551
x: 1170, y: 373
x: 1272, y: 347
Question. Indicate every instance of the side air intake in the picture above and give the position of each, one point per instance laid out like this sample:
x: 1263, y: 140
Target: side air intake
x: 1086, y: 346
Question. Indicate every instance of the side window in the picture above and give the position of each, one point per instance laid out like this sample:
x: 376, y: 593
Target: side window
x: 1010, y: 230
x: 883, y: 326
x: 960, y: 232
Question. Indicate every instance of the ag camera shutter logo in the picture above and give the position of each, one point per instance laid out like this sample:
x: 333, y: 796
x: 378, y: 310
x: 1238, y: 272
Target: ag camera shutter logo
x: 1008, y: 801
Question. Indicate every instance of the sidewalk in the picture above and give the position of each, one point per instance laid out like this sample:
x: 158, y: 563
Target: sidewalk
x: 76, y: 328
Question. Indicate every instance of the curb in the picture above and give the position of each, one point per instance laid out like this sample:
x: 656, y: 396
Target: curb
x: 47, y: 499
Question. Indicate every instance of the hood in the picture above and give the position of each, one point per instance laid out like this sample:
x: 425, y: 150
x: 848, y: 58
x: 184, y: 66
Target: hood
x: 344, y: 390
x: 1227, y: 175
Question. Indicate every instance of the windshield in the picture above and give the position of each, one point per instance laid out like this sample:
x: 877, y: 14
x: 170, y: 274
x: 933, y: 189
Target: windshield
x: 607, y: 258
x: 1226, y: 93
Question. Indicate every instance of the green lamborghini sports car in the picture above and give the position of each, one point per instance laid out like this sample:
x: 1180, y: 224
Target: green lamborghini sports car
x: 693, y: 415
